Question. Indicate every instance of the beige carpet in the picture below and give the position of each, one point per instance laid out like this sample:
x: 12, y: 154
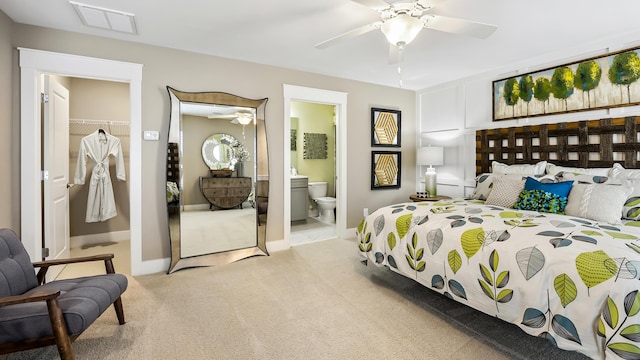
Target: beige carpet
x: 315, y: 301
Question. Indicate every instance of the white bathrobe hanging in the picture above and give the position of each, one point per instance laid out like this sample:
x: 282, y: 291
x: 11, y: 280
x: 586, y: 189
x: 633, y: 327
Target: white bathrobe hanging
x: 98, y: 146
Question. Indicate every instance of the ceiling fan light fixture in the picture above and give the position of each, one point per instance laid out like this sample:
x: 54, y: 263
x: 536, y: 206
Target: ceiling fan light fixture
x: 401, y: 29
x: 244, y: 118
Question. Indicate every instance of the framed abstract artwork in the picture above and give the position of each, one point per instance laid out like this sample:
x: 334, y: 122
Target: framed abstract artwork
x: 385, y: 169
x: 315, y: 146
x: 385, y: 127
x: 601, y: 82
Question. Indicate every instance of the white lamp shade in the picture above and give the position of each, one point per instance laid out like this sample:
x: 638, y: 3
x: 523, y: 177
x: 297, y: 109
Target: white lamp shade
x: 431, y: 155
x: 402, y: 29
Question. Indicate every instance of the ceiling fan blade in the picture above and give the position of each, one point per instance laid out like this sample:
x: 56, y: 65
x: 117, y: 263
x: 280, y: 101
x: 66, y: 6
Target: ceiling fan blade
x: 431, y: 3
x: 349, y: 34
x: 458, y: 26
x: 373, y: 4
x: 222, y: 116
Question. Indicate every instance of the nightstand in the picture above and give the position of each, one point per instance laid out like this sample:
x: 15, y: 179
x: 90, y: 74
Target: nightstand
x: 418, y: 198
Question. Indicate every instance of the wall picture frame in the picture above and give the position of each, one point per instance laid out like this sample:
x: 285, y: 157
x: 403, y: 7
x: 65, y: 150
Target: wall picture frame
x: 601, y: 82
x: 385, y: 169
x: 385, y: 127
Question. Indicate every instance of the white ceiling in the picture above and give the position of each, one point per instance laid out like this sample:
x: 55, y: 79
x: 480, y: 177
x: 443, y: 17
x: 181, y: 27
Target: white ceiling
x: 283, y: 32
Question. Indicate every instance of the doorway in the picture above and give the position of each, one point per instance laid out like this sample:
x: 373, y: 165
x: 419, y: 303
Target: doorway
x: 33, y: 63
x: 99, y: 108
x: 313, y: 161
x: 338, y: 100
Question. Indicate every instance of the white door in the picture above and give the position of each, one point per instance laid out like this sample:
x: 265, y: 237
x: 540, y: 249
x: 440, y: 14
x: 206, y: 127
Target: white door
x: 55, y: 148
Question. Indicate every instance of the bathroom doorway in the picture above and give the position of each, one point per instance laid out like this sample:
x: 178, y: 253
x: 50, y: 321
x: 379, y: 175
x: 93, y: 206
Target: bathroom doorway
x: 338, y: 100
x: 313, y: 162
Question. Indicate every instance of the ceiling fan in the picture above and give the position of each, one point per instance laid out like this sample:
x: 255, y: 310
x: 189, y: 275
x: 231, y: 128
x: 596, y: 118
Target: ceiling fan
x: 242, y: 117
x: 402, y: 21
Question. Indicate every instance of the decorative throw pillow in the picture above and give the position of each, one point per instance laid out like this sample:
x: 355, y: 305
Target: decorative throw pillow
x: 555, y: 169
x: 584, y: 178
x: 631, y: 207
x: 561, y: 188
x: 619, y: 172
x: 598, y: 202
x: 484, y: 184
x: 541, y: 201
x: 520, y: 169
x: 505, y: 192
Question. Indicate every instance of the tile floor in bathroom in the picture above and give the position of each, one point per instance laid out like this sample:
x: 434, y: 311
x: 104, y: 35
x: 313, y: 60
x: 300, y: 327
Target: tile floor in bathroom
x: 311, y: 231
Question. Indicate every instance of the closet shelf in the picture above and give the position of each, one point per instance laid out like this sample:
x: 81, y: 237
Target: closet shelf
x: 88, y: 126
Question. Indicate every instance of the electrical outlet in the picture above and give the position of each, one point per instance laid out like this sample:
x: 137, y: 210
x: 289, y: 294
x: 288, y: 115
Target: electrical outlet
x: 365, y: 211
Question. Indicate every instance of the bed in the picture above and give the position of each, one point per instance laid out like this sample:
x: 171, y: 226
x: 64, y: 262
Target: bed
x: 563, y: 267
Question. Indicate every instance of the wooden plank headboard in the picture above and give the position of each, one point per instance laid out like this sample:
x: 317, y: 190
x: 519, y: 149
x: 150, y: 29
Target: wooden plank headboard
x: 590, y: 143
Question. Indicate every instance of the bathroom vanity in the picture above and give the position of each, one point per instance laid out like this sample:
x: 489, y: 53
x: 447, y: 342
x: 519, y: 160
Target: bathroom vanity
x: 299, y: 197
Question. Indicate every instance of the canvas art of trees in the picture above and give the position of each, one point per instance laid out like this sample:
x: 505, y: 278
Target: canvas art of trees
x: 604, y: 82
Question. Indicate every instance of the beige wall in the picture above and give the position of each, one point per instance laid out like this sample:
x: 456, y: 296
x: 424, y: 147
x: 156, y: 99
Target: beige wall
x: 9, y: 133
x: 194, y: 72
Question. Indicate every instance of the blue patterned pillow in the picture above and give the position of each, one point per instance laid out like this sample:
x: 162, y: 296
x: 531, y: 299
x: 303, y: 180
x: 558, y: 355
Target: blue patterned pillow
x: 561, y: 188
x: 541, y: 201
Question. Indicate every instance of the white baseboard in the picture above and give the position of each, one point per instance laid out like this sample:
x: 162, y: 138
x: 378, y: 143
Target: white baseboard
x: 95, y: 239
x: 278, y: 245
x: 152, y: 267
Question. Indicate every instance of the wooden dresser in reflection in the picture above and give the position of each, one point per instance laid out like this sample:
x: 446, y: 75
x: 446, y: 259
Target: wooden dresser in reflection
x: 225, y: 192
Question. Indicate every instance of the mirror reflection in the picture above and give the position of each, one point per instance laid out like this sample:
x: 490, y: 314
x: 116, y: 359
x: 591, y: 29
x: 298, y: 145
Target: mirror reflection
x: 217, y: 178
x: 223, y: 151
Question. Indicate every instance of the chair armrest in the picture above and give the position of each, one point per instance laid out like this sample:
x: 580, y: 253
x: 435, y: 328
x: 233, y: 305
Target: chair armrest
x: 47, y: 263
x: 41, y: 295
x: 44, y: 265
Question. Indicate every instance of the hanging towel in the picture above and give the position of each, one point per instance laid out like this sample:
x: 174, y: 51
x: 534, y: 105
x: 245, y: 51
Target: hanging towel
x: 97, y: 147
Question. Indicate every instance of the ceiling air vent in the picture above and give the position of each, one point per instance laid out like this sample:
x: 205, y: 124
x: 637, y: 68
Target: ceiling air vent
x: 102, y: 18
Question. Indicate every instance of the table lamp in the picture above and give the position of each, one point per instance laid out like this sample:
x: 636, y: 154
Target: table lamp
x: 431, y: 155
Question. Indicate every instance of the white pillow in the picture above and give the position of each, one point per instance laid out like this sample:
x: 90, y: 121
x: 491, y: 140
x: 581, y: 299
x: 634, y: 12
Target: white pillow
x: 520, y: 169
x: 555, y: 169
x: 619, y: 172
x: 505, y: 191
x: 598, y: 202
x: 484, y: 184
x: 485, y: 181
x: 587, y: 179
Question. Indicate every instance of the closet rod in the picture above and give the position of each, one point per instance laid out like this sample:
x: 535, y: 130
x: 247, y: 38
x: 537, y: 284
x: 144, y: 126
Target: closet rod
x: 98, y: 122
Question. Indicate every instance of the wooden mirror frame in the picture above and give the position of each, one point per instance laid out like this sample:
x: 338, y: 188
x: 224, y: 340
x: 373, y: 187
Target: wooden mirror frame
x: 225, y: 257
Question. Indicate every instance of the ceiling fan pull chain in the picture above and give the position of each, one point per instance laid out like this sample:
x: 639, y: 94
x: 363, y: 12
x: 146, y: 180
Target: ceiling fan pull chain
x: 401, y: 58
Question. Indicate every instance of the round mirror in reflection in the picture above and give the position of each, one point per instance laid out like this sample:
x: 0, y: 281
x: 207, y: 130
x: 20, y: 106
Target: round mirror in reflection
x: 218, y: 151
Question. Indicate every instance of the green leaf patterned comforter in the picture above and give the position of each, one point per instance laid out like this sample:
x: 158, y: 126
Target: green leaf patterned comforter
x: 570, y: 280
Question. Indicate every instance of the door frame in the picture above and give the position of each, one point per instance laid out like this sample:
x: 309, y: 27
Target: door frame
x: 318, y: 96
x: 34, y: 63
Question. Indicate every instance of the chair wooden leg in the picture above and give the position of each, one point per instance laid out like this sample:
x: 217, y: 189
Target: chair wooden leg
x: 60, y: 330
x: 119, y: 311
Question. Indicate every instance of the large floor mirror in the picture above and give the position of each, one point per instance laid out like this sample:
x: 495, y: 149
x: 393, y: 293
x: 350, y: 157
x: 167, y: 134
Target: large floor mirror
x: 217, y: 178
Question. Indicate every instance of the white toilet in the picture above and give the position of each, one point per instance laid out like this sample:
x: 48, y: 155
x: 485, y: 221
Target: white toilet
x: 325, y: 205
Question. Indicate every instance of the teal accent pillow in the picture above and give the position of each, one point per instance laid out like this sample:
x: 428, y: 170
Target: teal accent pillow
x: 561, y: 189
x: 541, y: 201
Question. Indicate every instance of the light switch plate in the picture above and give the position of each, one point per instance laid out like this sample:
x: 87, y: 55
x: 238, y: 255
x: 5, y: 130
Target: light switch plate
x: 151, y: 135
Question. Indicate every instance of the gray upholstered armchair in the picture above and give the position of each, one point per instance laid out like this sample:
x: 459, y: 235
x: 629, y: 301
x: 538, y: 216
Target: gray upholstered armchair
x: 34, y: 314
